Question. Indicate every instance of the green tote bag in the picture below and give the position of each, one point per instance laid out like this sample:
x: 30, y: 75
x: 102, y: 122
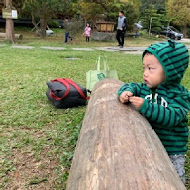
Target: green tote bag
x: 94, y: 76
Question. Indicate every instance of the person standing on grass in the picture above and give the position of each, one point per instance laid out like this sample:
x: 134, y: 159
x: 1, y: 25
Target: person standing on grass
x: 121, y: 29
x: 87, y: 31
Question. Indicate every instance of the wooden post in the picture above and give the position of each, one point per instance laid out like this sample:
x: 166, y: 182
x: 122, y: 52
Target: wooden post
x: 117, y: 148
x: 10, y: 36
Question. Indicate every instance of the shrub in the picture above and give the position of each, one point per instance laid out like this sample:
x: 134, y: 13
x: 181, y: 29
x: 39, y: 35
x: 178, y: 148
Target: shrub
x: 74, y: 26
x: 53, y: 24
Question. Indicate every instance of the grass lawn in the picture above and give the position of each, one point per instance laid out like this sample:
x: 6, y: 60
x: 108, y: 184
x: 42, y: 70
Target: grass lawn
x: 36, y: 140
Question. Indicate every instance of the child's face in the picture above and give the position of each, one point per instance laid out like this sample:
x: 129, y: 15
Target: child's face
x: 88, y: 25
x: 153, y: 71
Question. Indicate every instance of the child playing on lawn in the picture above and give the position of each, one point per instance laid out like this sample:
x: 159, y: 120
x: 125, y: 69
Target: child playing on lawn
x: 162, y: 99
x: 87, y: 31
x: 67, y: 36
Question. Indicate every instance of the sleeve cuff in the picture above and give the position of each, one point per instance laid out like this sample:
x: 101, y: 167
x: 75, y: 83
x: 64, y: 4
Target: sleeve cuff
x: 144, y: 107
x: 123, y: 89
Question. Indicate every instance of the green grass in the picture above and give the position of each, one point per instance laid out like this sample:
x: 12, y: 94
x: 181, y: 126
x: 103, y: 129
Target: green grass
x: 32, y: 132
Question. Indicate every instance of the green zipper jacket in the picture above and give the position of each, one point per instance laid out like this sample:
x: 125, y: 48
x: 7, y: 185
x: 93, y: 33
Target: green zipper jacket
x: 166, y: 107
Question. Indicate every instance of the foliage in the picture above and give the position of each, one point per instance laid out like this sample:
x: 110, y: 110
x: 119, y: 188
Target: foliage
x: 158, y: 4
x: 135, y: 3
x: 89, y: 11
x: 53, y: 24
x: 131, y: 13
x: 94, y: 10
x: 18, y: 5
x: 74, y: 26
x: 158, y: 19
x: 44, y: 11
x: 108, y: 10
x: 178, y: 13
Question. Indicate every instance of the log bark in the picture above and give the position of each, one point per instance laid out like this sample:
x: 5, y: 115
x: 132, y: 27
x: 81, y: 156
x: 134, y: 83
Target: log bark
x: 117, y: 149
x: 17, y: 36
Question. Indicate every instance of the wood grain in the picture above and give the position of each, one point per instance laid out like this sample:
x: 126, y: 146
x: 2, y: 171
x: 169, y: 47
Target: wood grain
x: 117, y: 148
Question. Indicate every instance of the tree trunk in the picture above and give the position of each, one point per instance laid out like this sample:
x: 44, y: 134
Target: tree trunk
x: 184, y: 31
x: 34, y: 21
x: 117, y: 148
x: 150, y: 28
x: 43, y: 26
x: 10, y: 36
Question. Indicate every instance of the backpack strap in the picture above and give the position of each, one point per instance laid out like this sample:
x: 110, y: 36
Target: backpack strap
x: 78, y: 89
x: 64, y: 82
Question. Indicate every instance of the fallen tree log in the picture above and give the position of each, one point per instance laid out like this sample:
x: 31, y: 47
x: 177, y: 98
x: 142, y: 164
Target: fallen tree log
x: 17, y: 36
x: 117, y: 148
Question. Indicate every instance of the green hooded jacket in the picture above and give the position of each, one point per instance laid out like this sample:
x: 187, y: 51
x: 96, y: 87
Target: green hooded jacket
x: 166, y: 107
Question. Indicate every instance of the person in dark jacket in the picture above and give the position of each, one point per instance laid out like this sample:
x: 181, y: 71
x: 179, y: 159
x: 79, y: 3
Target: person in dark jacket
x: 121, y: 29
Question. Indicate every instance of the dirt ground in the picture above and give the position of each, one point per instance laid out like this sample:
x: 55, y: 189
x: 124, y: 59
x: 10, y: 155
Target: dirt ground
x: 30, y: 173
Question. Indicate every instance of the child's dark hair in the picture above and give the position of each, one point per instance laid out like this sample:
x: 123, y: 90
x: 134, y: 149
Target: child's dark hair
x: 121, y: 12
x: 146, y: 53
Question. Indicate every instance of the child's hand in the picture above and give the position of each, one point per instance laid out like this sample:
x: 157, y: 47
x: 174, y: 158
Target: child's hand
x: 124, y: 97
x: 137, y: 102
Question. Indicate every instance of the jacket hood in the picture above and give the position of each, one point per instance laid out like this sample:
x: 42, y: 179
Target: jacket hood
x: 174, y: 58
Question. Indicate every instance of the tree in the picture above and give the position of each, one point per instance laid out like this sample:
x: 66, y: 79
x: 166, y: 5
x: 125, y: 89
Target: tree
x: 135, y: 3
x: 18, y: 4
x: 152, y: 20
x: 179, y: 13
x: 10, y: 34
x: 95, y: 9
x: 89, y: 11
x: 130, y: 12
x: 74, y: 26
x: 158, y: 4
x: 110, y: 8
x: 44, y: 10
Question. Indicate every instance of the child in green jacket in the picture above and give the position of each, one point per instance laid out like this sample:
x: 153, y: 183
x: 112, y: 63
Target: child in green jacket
x: 162, y: 99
